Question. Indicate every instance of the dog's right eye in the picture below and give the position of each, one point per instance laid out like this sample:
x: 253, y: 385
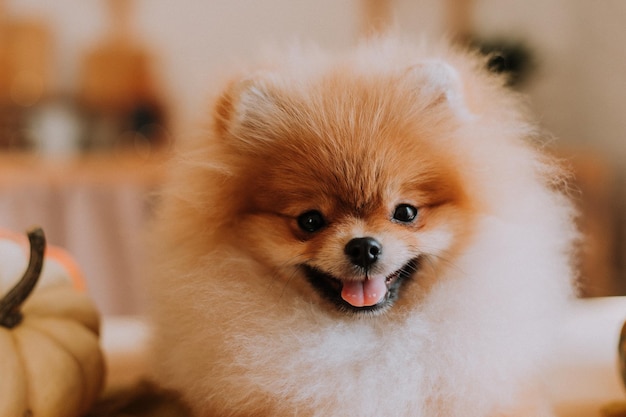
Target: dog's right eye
x: 311, y: 221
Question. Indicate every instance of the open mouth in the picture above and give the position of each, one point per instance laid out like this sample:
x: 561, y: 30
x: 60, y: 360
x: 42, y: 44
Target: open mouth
x: 372, y: 295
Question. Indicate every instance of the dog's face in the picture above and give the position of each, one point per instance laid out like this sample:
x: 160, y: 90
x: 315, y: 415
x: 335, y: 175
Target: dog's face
x: 348, y: 189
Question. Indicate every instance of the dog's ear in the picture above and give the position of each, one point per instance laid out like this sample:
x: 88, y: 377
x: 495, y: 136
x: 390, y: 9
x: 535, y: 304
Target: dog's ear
x: 438, y: 83
x: 224, y: 107
x: 244, y: 104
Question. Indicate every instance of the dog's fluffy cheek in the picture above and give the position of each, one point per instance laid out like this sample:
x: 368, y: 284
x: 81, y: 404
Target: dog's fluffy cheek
x: 269, y: 240
x: 447, y: 230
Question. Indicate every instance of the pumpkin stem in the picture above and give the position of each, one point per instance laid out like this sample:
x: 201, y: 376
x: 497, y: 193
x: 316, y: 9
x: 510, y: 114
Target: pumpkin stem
x: 10, y: 315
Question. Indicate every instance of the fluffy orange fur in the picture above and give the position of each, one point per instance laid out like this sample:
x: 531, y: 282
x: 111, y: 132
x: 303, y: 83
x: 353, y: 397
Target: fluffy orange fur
x: 416, y: 148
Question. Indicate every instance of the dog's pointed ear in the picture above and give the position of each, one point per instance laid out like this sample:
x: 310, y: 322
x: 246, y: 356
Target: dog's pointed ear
x: 242, y: 105
x: 437, y: 83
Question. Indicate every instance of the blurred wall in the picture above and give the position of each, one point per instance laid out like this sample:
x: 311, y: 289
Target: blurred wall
x: 200, y: 39
x: 192, y: 40
x: 579, y: 84
x: 579, y: 88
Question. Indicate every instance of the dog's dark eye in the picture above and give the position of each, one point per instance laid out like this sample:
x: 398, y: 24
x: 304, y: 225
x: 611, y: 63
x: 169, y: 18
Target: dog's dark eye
x: 311, y: 221
x: 405, y: 213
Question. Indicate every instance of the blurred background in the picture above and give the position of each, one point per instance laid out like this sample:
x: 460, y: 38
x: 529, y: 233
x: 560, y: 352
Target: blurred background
x: 94, y: 93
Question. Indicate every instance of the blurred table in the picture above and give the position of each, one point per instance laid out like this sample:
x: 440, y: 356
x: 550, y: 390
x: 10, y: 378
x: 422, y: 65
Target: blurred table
x: 95, y: 206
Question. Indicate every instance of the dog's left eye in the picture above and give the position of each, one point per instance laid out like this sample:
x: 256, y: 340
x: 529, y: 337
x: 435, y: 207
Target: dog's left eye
x: 405, y: 213
x: 311, y: 221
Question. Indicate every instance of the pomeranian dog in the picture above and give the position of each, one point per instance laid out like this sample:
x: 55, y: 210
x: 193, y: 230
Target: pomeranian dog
x: 374, y: 233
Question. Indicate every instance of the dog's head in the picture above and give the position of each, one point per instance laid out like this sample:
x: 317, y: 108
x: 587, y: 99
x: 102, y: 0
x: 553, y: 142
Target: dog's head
x: 348, y: 184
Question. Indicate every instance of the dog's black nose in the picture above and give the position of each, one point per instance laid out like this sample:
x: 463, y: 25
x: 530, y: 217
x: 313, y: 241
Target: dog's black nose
x: 363, y: 251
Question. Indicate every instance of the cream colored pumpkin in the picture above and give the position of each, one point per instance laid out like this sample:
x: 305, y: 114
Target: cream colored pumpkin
x: 51, y: 364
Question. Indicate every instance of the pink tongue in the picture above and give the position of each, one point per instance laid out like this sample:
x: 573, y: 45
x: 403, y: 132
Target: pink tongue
x: 364, y: 293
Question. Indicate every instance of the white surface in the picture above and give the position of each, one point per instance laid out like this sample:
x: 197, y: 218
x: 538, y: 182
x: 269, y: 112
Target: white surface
x: 125, y: 342
x: 585, y: 375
